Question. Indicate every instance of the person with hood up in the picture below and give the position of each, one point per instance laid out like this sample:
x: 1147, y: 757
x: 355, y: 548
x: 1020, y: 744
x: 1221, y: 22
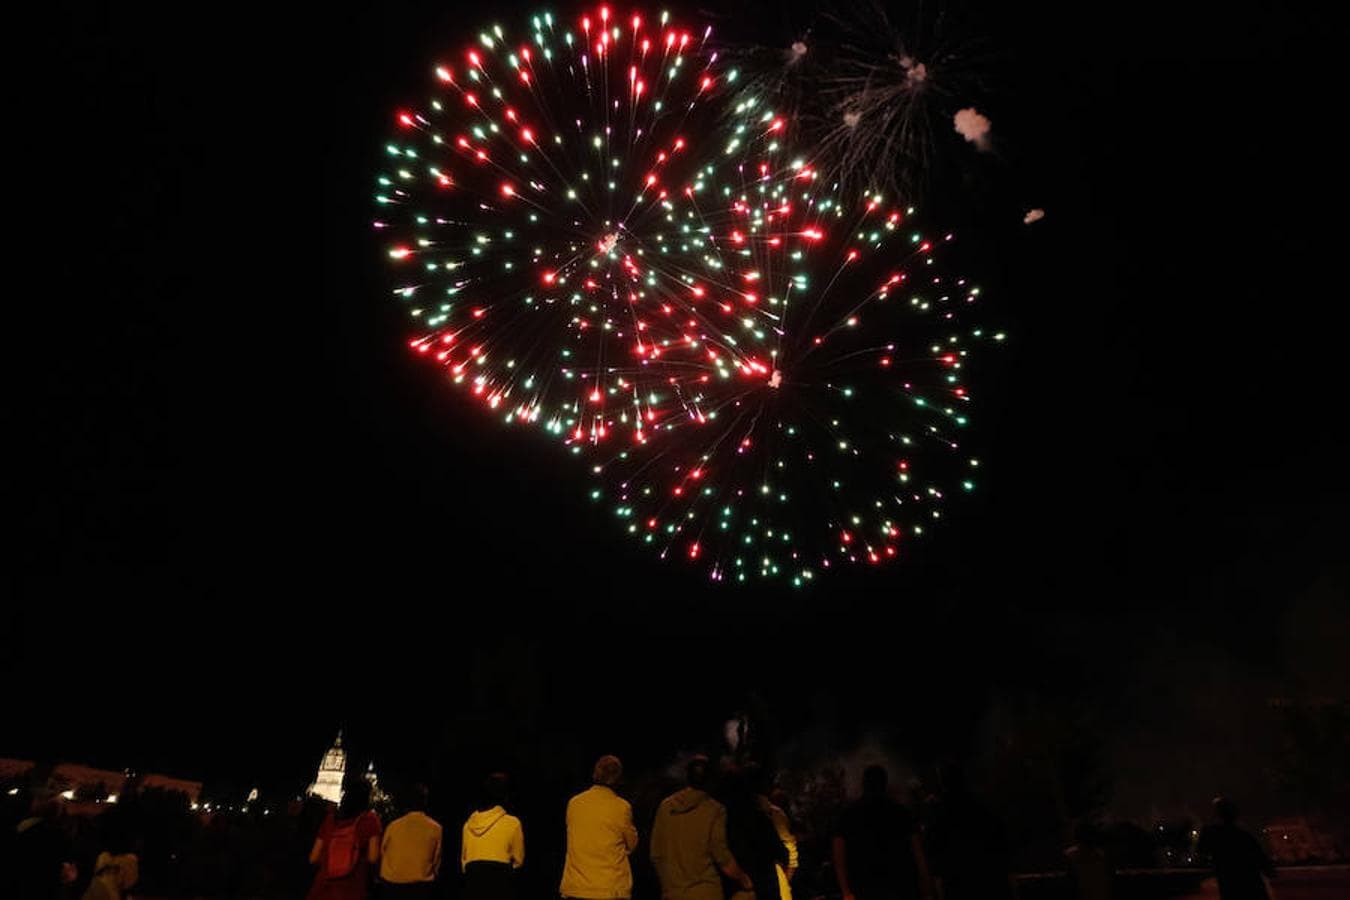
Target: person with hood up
x: 493, y: 845
x: 689, y: 841
x: 600, y: 838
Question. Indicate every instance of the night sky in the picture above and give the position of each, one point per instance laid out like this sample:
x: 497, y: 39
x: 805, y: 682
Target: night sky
x: 246, y: 515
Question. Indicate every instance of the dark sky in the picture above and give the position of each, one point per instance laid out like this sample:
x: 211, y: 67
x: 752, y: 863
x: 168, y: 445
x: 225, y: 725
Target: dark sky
x: 238, y: 490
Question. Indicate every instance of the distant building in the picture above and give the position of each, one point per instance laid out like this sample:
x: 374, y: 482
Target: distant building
x: 328, y: 782
x: 86, y: 781
x: 71, y: 781
x: 13, y: 768
x: 193, y: 789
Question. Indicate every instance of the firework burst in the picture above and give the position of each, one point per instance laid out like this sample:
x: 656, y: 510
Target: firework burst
x: 873, y: 91
x: 553, y: 211
x: 891, y: 93
x: 851, y: 445
x: 597, y: 235
x: 787, y: 70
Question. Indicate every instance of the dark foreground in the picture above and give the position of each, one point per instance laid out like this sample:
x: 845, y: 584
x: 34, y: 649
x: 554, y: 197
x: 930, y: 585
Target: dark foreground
x: 1295, y: 883
x: 1303, y: 883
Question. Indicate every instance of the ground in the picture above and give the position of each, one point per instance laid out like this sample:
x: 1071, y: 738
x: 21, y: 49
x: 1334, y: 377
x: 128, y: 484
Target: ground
x: 1331, y: 883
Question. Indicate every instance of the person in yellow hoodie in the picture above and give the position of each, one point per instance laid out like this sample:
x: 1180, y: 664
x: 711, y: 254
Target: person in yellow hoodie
x: 493, y: 845
x: 600, y: 838
x: 689, y: 841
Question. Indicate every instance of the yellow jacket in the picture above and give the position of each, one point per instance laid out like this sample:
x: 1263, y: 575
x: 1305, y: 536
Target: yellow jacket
x: 410, y: 852
x: 600, y: 836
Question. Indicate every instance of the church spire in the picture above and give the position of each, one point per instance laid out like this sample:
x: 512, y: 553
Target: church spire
x: 332, y: 768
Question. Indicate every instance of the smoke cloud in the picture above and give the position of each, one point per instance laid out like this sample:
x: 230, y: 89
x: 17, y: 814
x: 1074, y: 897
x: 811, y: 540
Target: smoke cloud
x: 973, y: 127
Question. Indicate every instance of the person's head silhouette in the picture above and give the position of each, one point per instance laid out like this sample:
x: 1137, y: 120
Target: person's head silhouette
x: 355, y: 797
x: 874, y: 782
x: 696, y: 772
x: 952, y: 778
x: 608, y: 771
x: 495, y: 791
x: 415, y: 798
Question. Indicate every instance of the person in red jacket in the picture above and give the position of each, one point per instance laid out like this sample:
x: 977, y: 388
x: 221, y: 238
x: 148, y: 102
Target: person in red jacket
x: 347, y: 848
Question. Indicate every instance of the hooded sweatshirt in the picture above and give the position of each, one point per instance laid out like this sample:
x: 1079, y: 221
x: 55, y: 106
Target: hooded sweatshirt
x: 492, y: 835
x: 689, y: 846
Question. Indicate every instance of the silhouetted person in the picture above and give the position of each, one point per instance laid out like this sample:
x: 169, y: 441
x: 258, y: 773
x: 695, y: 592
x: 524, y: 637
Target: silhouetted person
x: 600, y: 838
x: 493, y: 845
x: 410, y: 851
x: 967, y: 844
x: 209, y: 866
x: 751, y: 835
x: 348, y: 846
x: 43, y: 864
x: 1240, y: 865
x: 689, y: 841
x: 1091, y: 874
x: 116, y: 869
x: 877, y: 854
x: 114, y: 875
x: 775, y: 804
